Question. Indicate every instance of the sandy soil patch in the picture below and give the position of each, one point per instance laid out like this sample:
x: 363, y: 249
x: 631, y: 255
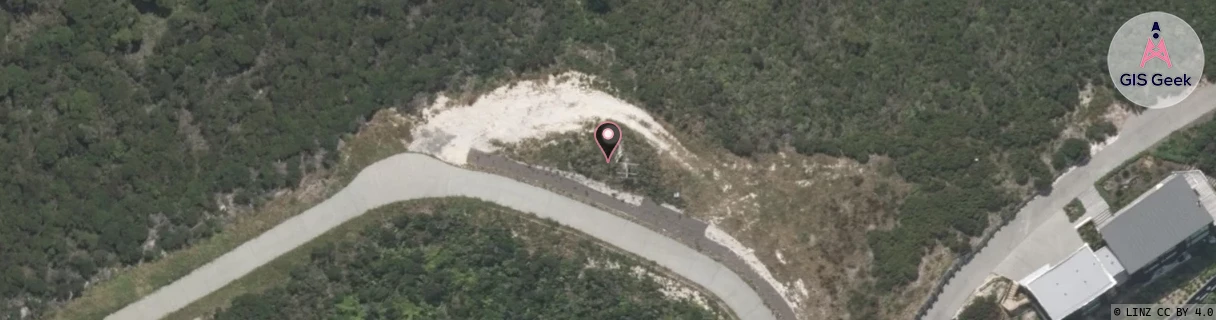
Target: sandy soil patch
x: 1095, y: 147
x: 532, y: 109
x: 1117, y: 115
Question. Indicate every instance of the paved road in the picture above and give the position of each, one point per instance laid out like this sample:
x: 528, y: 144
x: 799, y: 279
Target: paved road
x: 413, y: 176
x: 1138, y: 134
x: 672, y: 224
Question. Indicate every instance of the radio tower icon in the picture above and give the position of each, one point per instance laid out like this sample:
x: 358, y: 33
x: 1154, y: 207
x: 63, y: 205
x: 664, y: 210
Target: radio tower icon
x: 1157, y: 51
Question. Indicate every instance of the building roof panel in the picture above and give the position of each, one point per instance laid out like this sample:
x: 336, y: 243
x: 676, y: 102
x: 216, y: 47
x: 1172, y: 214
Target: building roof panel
x: 1071, y: 285
x: 1154, y: 223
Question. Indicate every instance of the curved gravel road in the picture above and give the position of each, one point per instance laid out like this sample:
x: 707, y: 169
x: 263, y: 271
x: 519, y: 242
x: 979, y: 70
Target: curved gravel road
x: 1138, y: 134
x: 413, y: 176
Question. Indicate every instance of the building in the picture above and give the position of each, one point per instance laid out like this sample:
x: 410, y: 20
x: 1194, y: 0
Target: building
x: 1071, y: 285
x: 1161, y: 223
x: 1141, y: 239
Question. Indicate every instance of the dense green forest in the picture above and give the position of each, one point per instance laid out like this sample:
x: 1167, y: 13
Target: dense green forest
x: 451, y: 262
x: 121, y: 121
x: 125, y: 119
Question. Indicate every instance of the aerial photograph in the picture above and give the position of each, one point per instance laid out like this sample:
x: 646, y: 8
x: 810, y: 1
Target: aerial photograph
x: 607, y: 160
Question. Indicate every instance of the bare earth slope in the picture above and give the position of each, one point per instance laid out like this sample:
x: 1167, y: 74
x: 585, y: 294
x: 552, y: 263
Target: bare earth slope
x: 1138, y: 134
x: 413, y: 176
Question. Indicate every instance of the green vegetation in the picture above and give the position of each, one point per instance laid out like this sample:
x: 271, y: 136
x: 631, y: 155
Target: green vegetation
x: 958, y: 208
x: 569, y: 152
x: 1072, y: 152
x: 1027, y: 166
x: 128, y: 119
x: 982, y: 308
x: 1130, y: 181
x: 1195, y: 146
x: 1101, y: 130
x: 1075, y: 209
x: 128, y: 123
x: 378, y: 140
x: 1089, y: 233
x: 455, y: 259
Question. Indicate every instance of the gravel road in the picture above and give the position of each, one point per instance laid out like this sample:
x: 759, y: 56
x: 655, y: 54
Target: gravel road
x: 413, y: 176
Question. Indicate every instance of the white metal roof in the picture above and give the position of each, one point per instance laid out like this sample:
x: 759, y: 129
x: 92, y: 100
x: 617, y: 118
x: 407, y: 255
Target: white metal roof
x: 1071, y: 285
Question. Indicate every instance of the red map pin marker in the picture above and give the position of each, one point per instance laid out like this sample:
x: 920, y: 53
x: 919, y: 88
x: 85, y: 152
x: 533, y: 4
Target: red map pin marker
x: 608, y: 137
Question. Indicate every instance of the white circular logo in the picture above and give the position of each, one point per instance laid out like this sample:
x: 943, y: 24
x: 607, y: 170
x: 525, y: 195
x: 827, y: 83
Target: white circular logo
x: 1155, y: 60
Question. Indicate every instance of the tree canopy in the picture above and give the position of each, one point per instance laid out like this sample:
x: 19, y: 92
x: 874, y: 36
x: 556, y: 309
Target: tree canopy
x: 450, y: 264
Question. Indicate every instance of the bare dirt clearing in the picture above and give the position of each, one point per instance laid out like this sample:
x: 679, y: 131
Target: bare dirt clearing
x: 531, y: 109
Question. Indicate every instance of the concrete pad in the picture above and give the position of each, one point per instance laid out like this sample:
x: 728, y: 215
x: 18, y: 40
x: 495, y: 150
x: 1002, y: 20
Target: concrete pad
x: 1051, y: 243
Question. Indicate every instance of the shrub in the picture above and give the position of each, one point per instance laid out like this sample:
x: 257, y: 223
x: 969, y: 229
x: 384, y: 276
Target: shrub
x: 1074, y: 210
x: 982, y: 308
